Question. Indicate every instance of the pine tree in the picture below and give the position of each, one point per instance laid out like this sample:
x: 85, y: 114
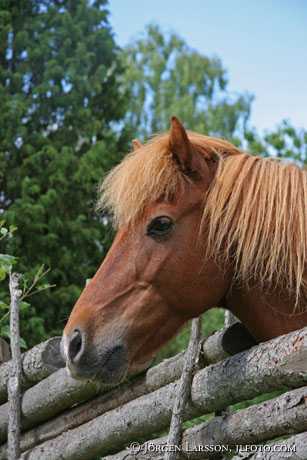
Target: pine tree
x: 61, y: 104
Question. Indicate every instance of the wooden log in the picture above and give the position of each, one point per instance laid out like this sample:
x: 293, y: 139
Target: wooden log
x: 218, y: 346
x: 280, y: 416
x: 237, y: 432
x: 81, y: 414
x: 137, y: 418
x: 269, y: 366
x: 14, y: 383
x: 37, y: 363
x: 292, y: 448
x: 229, y: 318
x: 227, y: 342
x: 281, y: 362
x: 48, y: 398
x: 59, y: 392
x: 160, y: 375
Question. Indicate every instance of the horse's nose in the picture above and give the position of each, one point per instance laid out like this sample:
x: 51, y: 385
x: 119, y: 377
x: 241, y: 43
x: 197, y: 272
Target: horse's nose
x: 75, y: 348
x: 87, y: 360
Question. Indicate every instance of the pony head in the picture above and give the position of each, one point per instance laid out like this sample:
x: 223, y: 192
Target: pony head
x: 154, y: 278
x: 195, y: 216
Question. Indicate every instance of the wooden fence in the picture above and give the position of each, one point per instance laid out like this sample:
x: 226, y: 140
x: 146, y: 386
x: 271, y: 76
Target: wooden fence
x: 63, y: 418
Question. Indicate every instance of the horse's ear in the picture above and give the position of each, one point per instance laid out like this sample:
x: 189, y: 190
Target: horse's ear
x: 180, y: 146
x: 136, y: 144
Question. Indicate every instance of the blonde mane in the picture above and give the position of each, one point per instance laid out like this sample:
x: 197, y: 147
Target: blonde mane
x: 255, y: 205
x: 148, y: 173
x: 258, y: 206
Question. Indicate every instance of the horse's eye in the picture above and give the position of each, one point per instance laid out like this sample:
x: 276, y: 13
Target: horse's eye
x: 160, y: 227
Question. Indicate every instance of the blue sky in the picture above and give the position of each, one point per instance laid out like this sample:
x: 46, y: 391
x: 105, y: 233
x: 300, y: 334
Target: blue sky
x: 262, y: 44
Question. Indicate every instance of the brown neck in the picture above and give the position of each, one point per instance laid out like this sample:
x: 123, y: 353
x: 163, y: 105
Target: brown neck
x: 266, y: 315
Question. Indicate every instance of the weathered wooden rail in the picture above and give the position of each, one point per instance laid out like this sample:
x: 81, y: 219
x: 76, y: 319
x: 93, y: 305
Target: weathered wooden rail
x: 67, y: 419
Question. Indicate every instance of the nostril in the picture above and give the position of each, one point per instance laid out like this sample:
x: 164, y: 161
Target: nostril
x: 76, y: 346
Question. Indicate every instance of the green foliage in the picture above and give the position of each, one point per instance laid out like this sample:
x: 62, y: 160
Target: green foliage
x: 60, y: 99
x: 6, y: 265
x: 166, y: 77
x: 212, y: 320
x: 286, y: 142
x: 70, y: 100
x: 29, y: 287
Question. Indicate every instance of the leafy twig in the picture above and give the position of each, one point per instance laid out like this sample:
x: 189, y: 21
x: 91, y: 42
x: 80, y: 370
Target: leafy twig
x: 43, y: 288
x: 38, y: 276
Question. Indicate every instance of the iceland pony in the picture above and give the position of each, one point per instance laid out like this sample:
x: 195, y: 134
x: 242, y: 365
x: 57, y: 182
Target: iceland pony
x: 199, y: 224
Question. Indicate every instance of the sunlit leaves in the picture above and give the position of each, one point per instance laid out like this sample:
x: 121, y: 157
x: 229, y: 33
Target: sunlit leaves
x: 166, y: 77
x: 286, y: 142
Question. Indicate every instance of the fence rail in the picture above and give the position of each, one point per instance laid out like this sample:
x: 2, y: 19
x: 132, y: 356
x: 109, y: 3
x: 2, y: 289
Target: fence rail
x: 67, y: 419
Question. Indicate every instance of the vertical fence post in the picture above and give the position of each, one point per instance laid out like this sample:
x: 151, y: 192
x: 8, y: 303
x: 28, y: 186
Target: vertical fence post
x: 15, y: 371
x: 190, y: 359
